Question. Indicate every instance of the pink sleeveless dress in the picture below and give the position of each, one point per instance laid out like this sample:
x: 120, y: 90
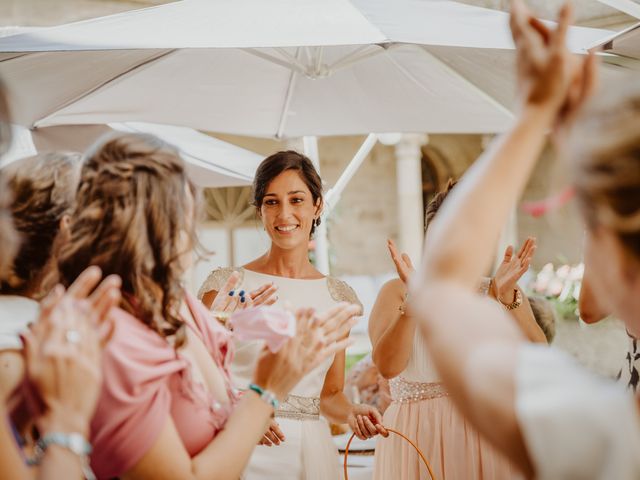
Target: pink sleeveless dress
x: 146, y: 381
x: 421, y: 409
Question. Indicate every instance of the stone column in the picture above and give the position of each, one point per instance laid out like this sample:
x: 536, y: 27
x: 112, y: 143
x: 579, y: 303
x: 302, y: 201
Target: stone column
x: 409, y: 188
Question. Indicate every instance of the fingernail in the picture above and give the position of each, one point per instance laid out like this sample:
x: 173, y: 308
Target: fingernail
x: 242, y: 299
x: 231, y: 293
x: 241, y: 293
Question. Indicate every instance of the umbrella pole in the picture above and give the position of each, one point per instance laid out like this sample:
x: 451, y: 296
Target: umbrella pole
x: 310, y: 145
x: 333, y: 195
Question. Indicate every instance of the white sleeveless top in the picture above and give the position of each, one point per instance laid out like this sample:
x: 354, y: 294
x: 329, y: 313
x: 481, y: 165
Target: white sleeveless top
x: 320, y: 294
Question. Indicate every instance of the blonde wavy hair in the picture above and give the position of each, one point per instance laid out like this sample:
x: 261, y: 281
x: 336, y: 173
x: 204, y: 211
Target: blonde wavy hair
x: 132, y: 211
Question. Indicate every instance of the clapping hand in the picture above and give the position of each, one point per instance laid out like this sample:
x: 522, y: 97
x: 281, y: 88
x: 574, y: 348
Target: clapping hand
x: 229, y: 299
x: 63, y: 349
x: 318, y: 336
x: 511, y: 270
x: 403, y: 264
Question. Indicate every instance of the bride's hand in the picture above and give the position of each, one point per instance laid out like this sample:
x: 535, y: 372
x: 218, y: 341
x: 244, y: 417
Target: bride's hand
x: 366, y: 422
x: 273, y: 435
x: 317, y: 337
x: 403, y: 264
x: 229, y: 299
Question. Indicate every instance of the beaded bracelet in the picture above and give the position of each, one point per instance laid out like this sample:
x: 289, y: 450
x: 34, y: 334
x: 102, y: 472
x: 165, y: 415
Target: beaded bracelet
x: 265, y: 395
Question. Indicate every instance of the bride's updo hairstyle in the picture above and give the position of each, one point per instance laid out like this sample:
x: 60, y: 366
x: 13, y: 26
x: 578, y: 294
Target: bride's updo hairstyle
x: 134, y: 206
x: 605, y: 151
x: 280, y: 162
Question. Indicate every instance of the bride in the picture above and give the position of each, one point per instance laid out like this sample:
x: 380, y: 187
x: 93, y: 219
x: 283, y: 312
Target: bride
x: 288, y: 198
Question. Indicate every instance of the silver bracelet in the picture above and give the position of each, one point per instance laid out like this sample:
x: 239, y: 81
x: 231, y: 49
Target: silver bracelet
x: 74, y: 442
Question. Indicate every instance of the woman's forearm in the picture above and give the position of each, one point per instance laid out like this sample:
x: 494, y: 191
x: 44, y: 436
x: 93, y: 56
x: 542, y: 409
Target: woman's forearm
x: 462, y: 239
x: 226, y: 457
x: 526, y: 321
x: 11, y: 461
x: 392, y: 350
x: 335, y: 407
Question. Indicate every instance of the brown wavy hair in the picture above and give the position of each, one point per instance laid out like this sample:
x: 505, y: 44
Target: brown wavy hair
x: 43, y: 190
x: 436, y: 202
x: 134, y: 204
x: 8, y: 236
x: 605, y: 150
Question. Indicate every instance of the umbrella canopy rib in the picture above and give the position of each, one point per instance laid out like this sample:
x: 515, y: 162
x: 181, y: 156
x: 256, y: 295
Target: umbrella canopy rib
x: 103, y: 85
x: 287, y: 101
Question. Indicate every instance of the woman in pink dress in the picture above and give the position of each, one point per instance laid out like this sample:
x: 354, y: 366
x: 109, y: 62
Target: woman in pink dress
x: 421, y: 408
x: 167, y: 409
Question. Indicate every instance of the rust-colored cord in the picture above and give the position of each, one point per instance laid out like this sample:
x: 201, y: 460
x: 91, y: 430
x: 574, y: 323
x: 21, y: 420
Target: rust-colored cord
x: 391, y: 430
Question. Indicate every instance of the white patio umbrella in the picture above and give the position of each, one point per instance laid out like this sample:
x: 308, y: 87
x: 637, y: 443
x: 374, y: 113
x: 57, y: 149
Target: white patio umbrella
x: 282, y: 68
x: 625, y: 43
x: 210, y: 162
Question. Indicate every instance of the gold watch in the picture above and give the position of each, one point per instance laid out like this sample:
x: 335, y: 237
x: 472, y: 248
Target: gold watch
x: 517, y: 300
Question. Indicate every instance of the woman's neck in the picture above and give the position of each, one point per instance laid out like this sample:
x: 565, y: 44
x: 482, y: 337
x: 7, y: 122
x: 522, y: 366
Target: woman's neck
x: 289, y: 263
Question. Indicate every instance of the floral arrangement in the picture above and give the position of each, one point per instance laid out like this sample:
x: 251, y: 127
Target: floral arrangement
x: 560, y: 285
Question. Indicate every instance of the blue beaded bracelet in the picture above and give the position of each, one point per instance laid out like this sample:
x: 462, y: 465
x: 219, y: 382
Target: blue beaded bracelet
x: 265, y: 395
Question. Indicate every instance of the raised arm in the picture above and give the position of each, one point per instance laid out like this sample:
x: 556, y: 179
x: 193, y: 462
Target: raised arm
x: 391, y: 328
x: 508, y: 293
x: 472, y: 341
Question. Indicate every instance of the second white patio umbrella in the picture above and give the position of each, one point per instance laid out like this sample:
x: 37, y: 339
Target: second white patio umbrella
x: 210, y: 162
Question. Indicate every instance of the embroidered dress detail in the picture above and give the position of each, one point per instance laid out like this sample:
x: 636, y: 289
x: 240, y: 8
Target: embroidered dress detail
x: 217, y: 279
x: 299, y: 408
x: 403, y: 391
x: 341, y: 292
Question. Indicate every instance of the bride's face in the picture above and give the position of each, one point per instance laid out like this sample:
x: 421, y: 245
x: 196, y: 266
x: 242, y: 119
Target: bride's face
x: 288, y: 211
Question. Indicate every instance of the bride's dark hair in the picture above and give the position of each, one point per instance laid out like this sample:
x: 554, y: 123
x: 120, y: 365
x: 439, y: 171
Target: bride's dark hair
x: 280, y: 162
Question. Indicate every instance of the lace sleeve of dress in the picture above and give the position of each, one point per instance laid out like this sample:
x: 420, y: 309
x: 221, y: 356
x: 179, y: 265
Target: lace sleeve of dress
x: 484, y: 285
x: 341, y: 292
x: 216, y: 280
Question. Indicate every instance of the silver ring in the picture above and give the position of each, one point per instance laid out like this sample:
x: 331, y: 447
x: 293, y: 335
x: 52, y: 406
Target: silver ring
x: 72, y: 336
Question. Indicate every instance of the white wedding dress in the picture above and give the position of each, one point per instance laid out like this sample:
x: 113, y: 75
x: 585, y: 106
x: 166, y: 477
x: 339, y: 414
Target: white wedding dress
x: 308, y: 452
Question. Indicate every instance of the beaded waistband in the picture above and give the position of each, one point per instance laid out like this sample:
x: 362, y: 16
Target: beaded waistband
x: 299, y: 408
x: 404, y: 391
